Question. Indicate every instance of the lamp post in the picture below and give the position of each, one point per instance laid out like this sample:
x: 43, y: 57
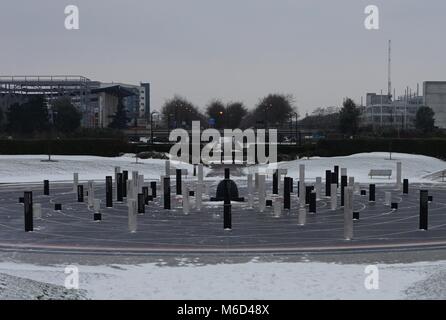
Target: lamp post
x: 151, y: 126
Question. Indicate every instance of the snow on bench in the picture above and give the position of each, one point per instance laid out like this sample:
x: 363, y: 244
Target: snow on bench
x: 380, y: 173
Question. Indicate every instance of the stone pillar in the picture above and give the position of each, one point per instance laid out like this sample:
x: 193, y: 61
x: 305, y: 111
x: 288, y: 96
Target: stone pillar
x: 336, y: 175
x: 186, y: 204
x: 388, y: 199
x: 262, y: 193
x: 140, y: 182
x: 37, y: 210
x: 115, y: 189
x: 125, y: 178
x: 153, y: 188
x: 318, y: 188
x: 132, y: 215
x: 351, y: 182
x: 200, y: 173
x: 302, y: 190
x: 399, y: 172
x: 372, y: 189
x: 348, y: 214
x: 109, y: 192
x: 276, y: 182
x: 46, y: 188
x: 178, y: 182
x: 343, y: 186
x: 256, y: 181
x: 250, y: 191
x: 75, y: 181
x: 141, y: 203
x: 424, y: 210
x: 312, y: 202
x: 28, y: 206
x: 80, y: 193
x: 302, y: 216
x: 406, y: 186
x: 278, y: 207
x: 167, y: 168
x: 90, y: 193
x: 199, y: 196
x: 166, y: 193
x: 287, y: 193
x: 328, y: 183
x: 334, y: 196
x: 119, y: 187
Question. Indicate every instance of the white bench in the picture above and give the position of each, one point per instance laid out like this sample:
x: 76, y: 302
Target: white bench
x: 380, y: 173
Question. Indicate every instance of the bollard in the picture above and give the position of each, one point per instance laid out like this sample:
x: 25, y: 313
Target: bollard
x: 37, y: 211
x: 343, y: 172
x: 363, y: 193
x: 261, y: 193
x: 250, y: 191
x: 109, y: 192
x: 269, y: 203
x: 166, y: 193
x: 308, y: 190
x: 302, y: 219
x: 167, y: 168
x: 125, y: 178
x: 119, y: 187
x: 336, y: 175
x: 140, y: 183
x: 178, y: 182
x: 348, y: 214
x: 80, y: 193
x: 372, y: 189
x: 343, y: 186
x: 199, y: 196
x: 351, y: 182
x: 28, y: 206
x: 132, y: 215
x: 302, y: 195
x: 90, y: 186
x: 287, y: 193
x: 276, y: 182
x: 227, y: 217
x: 186, y: 204
x: 356, y: 215
x: 318, y: 188
x: 277, y: 207
x: 334, y: 196
x: 312, y: 202
x: 21, y: 200
x: 328, y: 183
x: 145, y: 192
x: 57, y: 207
x: 388, y: 198
x: 153, y: 187
x: 256, y: 181
x: 291, y: 185
x: 75, y: 181
x: 406, y: 186
x: 394, y: 206
x: 399, y: 171
x: 424, y: 209
x: 46, y: 187
x: 141, y: 203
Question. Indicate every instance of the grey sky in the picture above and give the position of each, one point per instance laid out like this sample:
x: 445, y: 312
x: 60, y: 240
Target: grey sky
x: 317, y: 50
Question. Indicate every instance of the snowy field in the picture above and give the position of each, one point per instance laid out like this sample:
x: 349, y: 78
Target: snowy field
x: 251, y: 280
x: 32, y: 169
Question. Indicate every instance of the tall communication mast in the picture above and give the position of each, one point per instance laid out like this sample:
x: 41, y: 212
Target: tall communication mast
x: 389, y: 71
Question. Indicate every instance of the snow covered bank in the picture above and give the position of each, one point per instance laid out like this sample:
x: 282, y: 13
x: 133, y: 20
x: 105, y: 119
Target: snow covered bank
x: 252, y: 280
x: 416, y: 168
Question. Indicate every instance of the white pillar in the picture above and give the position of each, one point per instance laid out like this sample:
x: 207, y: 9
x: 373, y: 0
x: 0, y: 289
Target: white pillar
x: 199, y: 196
x: 200, y: 173
x: 343, y: 172
x: 302, y: 190
x: 357, y: 188
x: 97, y: 205
x: 90, y: 193
x: 334, y: 196
x: 399, y: 174
x: 130, y: 188
x: 388, y: 199
x: 302, y: 216
x: 250, y: 192
x: 348, y: 213
x: 161, y: 186
x: 140, y: 183
x: 256, y: 181
x: 75, y: 182
x: 37, y: 211
x: 135, y: 177
x: 278, y: 204
x: 132, y: 215
x: 262, y: 193
x: 115, y: 189
x: 351, y: 182
x: 318, y: 188
x: 185, y: 190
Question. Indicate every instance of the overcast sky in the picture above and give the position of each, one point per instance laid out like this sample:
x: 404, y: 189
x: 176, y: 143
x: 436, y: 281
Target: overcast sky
x: 317, y: 50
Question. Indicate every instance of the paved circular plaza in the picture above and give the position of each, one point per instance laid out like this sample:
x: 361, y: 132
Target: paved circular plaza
x: 171, y: 231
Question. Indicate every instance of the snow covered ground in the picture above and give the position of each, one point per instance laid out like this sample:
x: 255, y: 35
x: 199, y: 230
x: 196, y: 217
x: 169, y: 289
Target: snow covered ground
x: 251, y: 280
x: 32, y: 169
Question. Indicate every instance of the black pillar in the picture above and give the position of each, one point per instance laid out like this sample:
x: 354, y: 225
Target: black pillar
x: 28, y: 202
x: 46, y: 188
x: 109, y: 192
x: 119, y: 192
x: 178, y: 181
x: 57, y: 207
x: 336, y: 172
x: 166, y: 193
x: 227, y: 218
x: 328, y: 183
x: 276, y: 182
x: 372, y: 189
x: 80, y: 193
x: 227, y: 173
x: 308, y: 190
x: 125, y: 178
x: 424, y: 209
x: 141, y: 203
x: 153, y: 187
x: 312, y: 202
x: 145, y: 192
x: 291, y: 185
x: 406, y: 186
x: 343, y: 185
x: 287, y: 193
